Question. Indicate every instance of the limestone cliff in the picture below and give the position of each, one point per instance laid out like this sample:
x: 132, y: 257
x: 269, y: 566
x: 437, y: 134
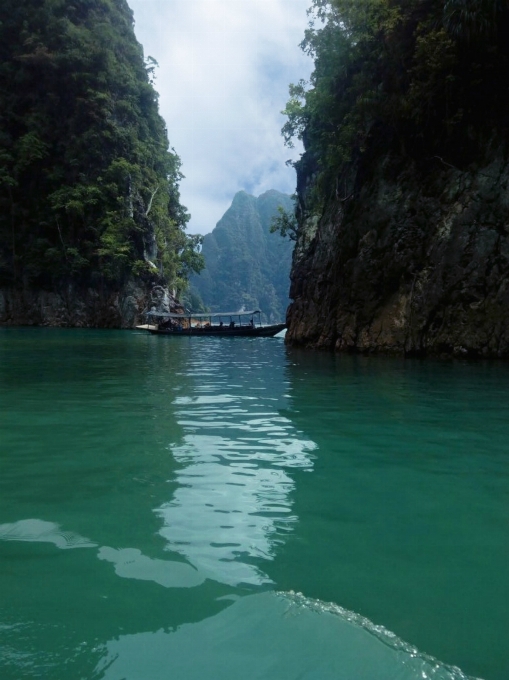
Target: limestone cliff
x: 78, y: 307
x: 416, y: 262
x: 403, y: 206
x: 90, y: 212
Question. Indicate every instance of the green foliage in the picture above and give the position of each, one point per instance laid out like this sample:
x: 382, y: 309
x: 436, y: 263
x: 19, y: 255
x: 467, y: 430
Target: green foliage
x: 472, y: 20
x: 284, y: 223
x: 191, y: 301
x: 415, y: 73
x: 88, y: 185
x: 296, y: 113
x: 191, y: 259
x: 348, y: 41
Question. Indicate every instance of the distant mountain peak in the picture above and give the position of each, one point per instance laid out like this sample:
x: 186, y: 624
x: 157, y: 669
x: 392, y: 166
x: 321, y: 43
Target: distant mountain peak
x: 245, y: 264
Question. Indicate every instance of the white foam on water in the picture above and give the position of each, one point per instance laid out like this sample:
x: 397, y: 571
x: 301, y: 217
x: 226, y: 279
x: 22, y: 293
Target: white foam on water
x: 428, y: 666
x: 271, y: 636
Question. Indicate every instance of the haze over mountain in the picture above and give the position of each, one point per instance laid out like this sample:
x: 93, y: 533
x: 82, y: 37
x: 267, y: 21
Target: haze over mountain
x: 247, y: 266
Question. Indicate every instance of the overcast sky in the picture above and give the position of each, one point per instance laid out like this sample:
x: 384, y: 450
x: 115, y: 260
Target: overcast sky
x: 223, y: 76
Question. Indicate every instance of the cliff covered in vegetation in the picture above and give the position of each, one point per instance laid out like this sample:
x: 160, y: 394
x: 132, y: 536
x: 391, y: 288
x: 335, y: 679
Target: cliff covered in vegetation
x: 403, y: 214
x: 246, y: 265
x: 90, y: 217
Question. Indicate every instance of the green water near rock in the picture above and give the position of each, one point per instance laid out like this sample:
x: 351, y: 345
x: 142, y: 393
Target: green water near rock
x: 187, y: 508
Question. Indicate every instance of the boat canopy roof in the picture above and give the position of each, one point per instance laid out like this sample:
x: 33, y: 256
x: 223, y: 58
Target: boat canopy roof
x: 192, y: 315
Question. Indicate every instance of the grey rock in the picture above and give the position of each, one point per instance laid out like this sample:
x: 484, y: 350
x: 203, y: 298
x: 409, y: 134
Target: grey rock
x: 83, y: 308
x: 415, y: 263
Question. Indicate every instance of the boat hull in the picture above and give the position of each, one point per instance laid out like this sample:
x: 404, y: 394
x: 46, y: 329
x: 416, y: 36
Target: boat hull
x: 216, y: 331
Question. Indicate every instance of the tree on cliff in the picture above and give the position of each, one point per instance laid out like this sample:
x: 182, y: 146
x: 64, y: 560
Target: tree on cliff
x: 421, y: 74
x: 88, y: 186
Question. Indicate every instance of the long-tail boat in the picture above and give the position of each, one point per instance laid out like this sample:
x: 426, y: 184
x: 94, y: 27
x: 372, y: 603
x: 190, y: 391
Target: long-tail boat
x: 211, y: 324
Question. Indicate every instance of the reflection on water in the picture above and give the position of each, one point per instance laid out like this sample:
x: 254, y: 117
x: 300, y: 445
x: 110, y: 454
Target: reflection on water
x: 128, y: 562
x: 131, y: 563
x: 39, y: 531
x: 233, y: 503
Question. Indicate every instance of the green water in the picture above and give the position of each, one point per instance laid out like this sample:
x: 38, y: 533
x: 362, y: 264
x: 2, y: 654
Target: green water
x: 199, y: 508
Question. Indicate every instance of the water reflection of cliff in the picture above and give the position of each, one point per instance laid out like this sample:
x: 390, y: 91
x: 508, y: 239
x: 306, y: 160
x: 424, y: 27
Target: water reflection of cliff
x: 233, y: 504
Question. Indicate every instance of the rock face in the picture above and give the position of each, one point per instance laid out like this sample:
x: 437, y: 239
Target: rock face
x: 85, y: 308
x: 415, y: 261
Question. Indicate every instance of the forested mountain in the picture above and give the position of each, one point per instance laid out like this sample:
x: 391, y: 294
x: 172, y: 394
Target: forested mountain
x: 246, y: 265
x: 402, y: 190
x: 88, y: 186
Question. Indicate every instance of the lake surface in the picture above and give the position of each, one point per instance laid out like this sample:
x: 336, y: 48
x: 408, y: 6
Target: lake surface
x: 202, y: 509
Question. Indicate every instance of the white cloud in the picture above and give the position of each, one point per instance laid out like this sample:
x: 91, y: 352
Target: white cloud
x: 225, y: 66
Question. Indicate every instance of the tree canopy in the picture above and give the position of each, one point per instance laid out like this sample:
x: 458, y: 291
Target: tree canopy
x: 426, y: 76
x: 88, y: 184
